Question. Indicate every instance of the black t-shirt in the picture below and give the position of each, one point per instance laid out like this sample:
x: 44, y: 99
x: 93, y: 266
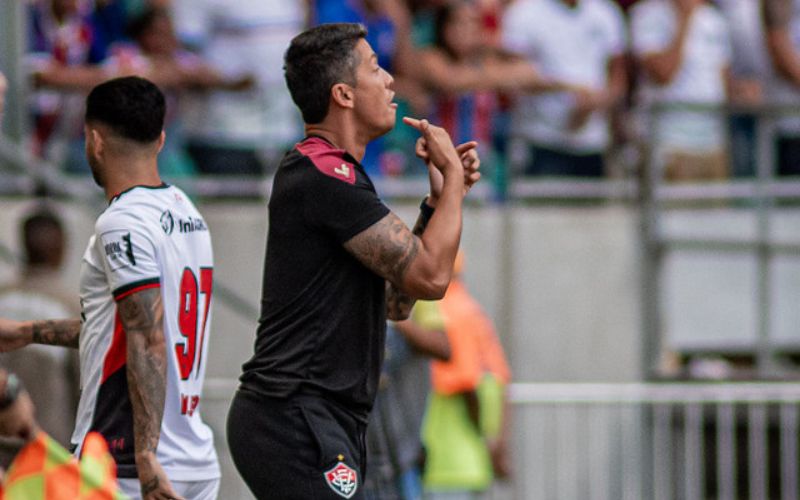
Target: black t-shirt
x: 323, y: 313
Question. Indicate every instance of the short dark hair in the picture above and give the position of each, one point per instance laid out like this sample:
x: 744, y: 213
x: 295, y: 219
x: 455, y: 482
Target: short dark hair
x: 318, y: 59
x: 38, y: 232
x: 133, y: 107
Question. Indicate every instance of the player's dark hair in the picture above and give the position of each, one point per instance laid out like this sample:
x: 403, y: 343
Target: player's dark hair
x: 133, y: 107
x: 318, y: 59
x: 42, y: 238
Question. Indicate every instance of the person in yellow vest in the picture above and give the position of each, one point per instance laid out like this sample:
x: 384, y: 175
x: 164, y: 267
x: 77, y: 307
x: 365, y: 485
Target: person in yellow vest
x: 466, y: 423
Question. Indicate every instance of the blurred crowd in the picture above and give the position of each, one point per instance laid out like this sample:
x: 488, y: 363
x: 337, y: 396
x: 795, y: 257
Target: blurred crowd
x: 547, y: 87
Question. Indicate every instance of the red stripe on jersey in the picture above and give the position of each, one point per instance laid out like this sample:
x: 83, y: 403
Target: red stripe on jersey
x: 134, y: 290
x: 328, y: 160
x: 117, y: 354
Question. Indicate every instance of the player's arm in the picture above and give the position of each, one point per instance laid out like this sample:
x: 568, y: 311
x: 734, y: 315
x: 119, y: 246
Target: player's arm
x: 399, y: 303
x: 17, y: 334
x: 142, y: 317
x: 420, y: 266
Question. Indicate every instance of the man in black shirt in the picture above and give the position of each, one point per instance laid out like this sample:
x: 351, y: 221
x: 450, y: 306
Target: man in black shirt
x: 338, y: 262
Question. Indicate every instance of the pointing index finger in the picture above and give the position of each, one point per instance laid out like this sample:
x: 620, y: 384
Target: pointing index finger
x: 421, y: 125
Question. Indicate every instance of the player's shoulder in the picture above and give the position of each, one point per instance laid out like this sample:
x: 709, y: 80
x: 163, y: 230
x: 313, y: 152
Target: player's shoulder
x: 327, y: 159
x: 138, y: 208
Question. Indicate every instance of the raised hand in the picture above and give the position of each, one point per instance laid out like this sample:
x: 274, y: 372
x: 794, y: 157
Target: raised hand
x: 468, y: 153
x: 470, y: 162
x: 437, y: 145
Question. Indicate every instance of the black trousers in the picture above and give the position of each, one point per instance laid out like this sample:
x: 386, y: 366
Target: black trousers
x: 301, y: 448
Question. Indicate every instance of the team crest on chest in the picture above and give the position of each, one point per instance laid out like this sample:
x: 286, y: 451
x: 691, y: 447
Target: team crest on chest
x: 343, y: 480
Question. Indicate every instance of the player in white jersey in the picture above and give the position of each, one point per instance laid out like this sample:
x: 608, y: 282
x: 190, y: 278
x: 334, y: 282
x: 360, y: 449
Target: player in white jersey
x: 145, y: 288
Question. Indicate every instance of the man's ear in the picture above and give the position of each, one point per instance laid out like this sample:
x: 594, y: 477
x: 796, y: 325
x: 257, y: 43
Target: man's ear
x: 161, y: 140
x: 342, y: 94
x: 98, y: 142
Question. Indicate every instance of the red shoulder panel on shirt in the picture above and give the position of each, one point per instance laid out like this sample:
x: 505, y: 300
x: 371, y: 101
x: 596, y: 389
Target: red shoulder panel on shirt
x: 328, y: 160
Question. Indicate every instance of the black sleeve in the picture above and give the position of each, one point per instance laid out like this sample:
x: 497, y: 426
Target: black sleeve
x: 341, y: 208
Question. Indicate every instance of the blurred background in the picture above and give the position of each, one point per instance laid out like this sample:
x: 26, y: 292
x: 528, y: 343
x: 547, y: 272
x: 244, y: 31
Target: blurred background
x: 635, y: 238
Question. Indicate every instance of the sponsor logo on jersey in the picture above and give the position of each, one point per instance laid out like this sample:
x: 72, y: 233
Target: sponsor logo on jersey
x: 343, y: 170
x: 167, y: 222
x: 118, y: 249
x: 191, y: 224
x: 342, y: 480
x: 187, y: 225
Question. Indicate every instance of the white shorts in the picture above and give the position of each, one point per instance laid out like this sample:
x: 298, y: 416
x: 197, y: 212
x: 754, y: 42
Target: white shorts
x: 190, y: 490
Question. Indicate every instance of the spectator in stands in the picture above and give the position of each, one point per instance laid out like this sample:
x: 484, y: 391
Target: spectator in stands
x: 248, y: 131
x: 580, y: 43
x: 683, y: 48
x: 491, y: 15
x: 423, y: 13
x: 394, y: 448
x: 49, y: 373
x: 466, y: 426
x: 157, y: 55
x: 782, y: 34
x: 110, y: 18
x: 61, y: 37
x: 465, y: 74
x: 749, y: 67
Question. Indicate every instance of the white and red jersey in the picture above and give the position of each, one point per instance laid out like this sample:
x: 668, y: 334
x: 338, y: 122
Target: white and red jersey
x: 149, y: 237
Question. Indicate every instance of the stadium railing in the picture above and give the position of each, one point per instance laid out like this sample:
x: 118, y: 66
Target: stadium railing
x: 685, y: 441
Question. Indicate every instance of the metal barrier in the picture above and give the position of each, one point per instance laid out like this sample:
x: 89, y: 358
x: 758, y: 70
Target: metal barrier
x: 656, y: 441
x: 760, y: 193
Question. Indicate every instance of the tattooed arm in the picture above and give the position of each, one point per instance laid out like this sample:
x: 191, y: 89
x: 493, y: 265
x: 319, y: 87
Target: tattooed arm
x: 776, y: 15
x: 142, y: 316
x: 417, y: 264
x: 389, y: 249
x: 399, y: 303
x: 17, y: 334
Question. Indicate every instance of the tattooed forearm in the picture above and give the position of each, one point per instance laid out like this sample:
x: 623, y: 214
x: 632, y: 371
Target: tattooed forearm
x: 399, y: 303
x: 64, y: 332
x: 142, y: 316
x: 388, y: 248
